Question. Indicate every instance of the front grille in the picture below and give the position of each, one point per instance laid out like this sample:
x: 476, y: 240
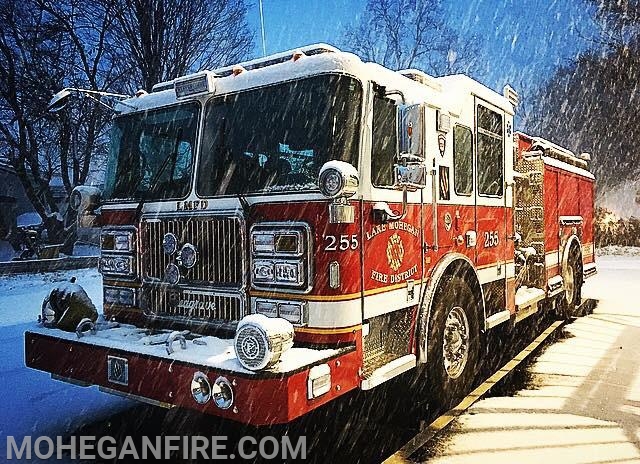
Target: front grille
x: 220, y: 242
x: 173, y: 302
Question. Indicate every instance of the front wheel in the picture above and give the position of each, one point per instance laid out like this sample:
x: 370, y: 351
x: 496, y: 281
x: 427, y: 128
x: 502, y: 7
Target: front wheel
x: 453, y: 343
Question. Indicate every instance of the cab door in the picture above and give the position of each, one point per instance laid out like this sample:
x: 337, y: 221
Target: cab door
x: 490, y: 211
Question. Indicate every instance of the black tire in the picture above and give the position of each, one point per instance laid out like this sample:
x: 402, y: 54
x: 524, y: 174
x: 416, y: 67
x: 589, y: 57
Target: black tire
x: 451, y: 381
x: 571, y: 300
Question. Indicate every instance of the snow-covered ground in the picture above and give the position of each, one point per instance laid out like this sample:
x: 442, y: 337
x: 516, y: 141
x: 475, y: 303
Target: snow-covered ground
x: 582, y: 400
x: 34, y: 404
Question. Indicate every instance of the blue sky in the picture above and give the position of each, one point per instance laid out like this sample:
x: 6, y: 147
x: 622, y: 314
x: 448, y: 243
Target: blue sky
x: 521, y: 41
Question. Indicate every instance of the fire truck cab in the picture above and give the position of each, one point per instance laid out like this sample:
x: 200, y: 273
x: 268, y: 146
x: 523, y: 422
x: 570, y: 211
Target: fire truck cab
x: 283, y: 231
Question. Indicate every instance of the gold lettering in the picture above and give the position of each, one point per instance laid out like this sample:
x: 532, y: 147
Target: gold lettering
x: 379, y: 277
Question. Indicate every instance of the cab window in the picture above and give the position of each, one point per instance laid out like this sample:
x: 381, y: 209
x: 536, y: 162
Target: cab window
x: 383, y: 141
x: 490, y: 152
x: 462, y: 160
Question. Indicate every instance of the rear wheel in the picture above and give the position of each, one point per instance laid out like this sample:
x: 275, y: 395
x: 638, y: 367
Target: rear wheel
x: 572, y: 277
x: 453, y: 343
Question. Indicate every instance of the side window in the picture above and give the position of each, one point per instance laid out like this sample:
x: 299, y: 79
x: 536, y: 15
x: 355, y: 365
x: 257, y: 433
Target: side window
x: 490, y: 152
x: 462, y: 160
x: 383, y: 141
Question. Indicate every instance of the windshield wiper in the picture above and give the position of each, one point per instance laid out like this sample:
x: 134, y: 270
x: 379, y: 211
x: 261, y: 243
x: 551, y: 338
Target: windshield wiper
x: 154, y: 182
x: 220, y: 149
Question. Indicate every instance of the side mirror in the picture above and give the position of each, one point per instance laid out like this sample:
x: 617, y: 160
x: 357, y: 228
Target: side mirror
x: 410, y: 174
x: 59, y: 101
x: 85, y: 200
x: 411, y: 129
x: 410, y: 171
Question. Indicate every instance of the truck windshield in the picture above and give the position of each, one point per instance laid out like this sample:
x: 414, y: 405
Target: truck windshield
x: 152, y: 154
x: 277, y: 138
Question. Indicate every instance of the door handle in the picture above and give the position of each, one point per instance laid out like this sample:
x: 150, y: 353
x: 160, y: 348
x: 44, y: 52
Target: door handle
x: 471, y: 238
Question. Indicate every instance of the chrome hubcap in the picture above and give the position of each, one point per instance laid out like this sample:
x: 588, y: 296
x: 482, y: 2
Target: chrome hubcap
x: 455, y: 345
x: 569, y: 284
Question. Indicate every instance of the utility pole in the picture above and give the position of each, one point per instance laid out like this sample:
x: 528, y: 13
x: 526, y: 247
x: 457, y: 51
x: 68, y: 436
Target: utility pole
x: 264, y: 45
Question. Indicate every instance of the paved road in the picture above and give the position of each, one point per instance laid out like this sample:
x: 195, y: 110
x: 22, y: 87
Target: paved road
x: 579, y: 401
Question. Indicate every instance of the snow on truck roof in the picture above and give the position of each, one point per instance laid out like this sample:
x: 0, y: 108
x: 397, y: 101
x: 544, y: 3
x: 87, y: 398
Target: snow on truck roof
x: 448, y: 92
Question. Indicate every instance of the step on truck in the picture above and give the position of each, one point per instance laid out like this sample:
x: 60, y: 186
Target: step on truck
x: 280, y: 232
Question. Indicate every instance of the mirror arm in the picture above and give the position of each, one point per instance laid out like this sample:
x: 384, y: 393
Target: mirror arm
x: 88, y: 95
x: 398, y: 217
x: 396, y: 92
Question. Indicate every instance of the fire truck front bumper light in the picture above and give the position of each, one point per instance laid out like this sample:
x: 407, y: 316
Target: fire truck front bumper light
x: 260, y: 341
x: 223, y: 393
x: 319, y: 381
x: 200, y: 388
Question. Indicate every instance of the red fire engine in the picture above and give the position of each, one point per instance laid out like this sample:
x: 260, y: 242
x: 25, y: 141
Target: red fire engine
x: 278, y: 233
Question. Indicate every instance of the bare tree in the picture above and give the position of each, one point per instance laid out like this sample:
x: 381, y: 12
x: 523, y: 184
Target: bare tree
x: 592, y: 103
x: 85, y: 25
x: 32, y: 64
x: 402, y: 34
x: 159, y: 40
x: 45, y: 46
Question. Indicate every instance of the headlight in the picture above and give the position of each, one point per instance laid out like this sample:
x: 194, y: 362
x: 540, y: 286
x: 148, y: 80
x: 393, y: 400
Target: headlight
x: 260, y: 341
x: 120, y: 265
x: 269, y: 271
x: 263, y: 242
x: 169, y: 243
x: 338, y: 180
x: 188, y: 256
x: 287, y: 243
x: 119, y: 296
x: 280, y: 255
x: 263, y: 271
x: 116, y: 240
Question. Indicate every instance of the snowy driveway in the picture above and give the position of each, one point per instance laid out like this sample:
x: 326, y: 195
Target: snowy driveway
x: 582, y: 398
x: 33, y: 403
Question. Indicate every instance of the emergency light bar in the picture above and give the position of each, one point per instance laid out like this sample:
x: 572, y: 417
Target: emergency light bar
x: 511, y: 95
x: 195, y: 84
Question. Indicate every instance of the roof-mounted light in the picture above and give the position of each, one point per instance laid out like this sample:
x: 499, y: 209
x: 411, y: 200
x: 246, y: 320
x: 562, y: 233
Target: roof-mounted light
x: 237, y: 70
x: 511, y: 95
x: 196, y: 84
x: 297, y: 55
